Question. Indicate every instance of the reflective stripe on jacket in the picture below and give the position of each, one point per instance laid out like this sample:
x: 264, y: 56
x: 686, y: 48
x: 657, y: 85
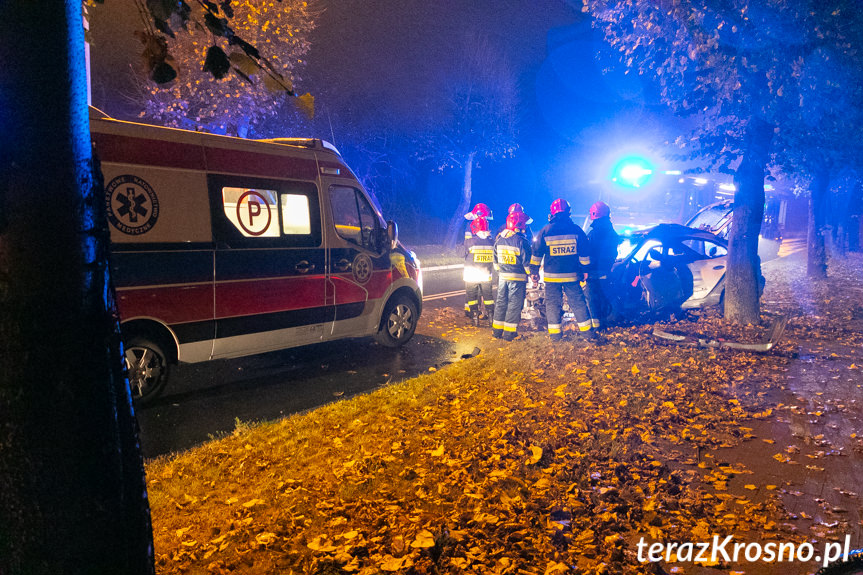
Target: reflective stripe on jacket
x: 478, y: 259
x: 562, y: 249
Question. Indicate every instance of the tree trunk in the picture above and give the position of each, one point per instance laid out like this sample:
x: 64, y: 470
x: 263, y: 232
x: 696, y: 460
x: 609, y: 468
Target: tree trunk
x: 816, y: 261
x: 744, y: 266
x: 72, y: 491
x: 454, y: 230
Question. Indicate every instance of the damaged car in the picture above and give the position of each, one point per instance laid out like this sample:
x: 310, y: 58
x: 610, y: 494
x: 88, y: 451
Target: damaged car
x: 671, y: 267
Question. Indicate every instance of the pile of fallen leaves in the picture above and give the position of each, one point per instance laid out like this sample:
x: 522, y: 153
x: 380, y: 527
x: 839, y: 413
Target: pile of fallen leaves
x: 528, y: 458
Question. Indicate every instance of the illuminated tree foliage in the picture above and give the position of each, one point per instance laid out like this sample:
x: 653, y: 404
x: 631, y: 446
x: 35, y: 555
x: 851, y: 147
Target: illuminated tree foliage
x: 205, y: 94
x: 479, y: 120
x: 739, y: 68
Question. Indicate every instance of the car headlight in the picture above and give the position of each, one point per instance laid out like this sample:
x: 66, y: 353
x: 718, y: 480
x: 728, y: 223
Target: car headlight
x: 418, y: 267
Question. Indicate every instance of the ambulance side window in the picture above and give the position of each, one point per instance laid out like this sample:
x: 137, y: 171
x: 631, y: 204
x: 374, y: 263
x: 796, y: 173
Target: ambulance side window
x: 249, y: 212
x: 295, y: 214
x: 354, y: 217
x: 253, y: 212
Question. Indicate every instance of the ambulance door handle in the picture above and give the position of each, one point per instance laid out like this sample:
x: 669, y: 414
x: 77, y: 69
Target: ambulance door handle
x: 304, y: 267
x: 343, y: 265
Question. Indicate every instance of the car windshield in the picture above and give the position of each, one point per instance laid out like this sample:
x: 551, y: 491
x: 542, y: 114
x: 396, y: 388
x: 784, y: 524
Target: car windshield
x: 711, y: 218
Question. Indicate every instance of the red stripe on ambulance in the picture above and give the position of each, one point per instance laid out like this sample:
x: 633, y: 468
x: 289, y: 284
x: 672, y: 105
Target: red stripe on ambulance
x: 257, y: 296
x: 141, y: 151
x: 171, y: 304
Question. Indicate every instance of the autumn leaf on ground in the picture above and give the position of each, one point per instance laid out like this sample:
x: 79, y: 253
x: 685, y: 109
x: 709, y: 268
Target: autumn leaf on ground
x: 535, y: 454
x: 265, y: 538
x: 424, y: 540
x: 322, y: 544
x: 554, y: 568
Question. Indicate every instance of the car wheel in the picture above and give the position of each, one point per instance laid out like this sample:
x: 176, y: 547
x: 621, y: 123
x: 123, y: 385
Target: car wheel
x: 147, y: 366
x: 399, y: 322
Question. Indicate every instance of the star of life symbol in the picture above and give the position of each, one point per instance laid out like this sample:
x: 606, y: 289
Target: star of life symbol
x: 362, y: 268
x: 131, y: 204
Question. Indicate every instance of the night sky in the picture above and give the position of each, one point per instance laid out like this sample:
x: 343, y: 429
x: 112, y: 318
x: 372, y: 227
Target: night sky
x: 390, y: 53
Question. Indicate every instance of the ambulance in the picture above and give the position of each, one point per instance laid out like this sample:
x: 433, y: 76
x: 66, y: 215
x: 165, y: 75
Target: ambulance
x: 224, y: 247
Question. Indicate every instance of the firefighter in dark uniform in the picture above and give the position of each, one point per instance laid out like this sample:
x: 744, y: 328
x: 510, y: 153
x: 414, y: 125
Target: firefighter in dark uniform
x: 562, y: 249
x: 478, y: 262
x: 602, y: 300
x: 511, y: 260
x: 516, y: 207
x: 479, y: 211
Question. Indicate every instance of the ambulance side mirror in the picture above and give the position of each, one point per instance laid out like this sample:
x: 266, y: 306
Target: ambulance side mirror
x: 392, y: 233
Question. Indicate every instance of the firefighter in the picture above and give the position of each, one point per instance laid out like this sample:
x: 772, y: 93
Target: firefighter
x: 562, y: 249
x: 602, y: 300
x: 478, y: 262
x: 516, y: 207
x: 479, y: 211
x: 511, y: 260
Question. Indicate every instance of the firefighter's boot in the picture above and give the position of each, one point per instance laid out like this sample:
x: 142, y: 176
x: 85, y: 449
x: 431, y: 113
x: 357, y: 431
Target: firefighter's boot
x: 472, y: 313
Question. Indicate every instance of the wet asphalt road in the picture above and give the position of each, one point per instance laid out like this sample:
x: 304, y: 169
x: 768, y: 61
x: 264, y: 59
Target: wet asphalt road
x: 205, y: 400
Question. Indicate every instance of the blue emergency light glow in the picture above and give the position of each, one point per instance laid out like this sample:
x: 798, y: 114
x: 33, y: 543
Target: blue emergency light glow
x: 632, y: 172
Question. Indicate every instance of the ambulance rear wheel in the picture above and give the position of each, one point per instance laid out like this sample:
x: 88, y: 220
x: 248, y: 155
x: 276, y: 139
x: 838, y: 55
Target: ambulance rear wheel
x: 147, y: 366
x: 399, y: 322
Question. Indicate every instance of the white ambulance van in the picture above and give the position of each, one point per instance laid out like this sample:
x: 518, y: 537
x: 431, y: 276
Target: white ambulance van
x: 224, y: 247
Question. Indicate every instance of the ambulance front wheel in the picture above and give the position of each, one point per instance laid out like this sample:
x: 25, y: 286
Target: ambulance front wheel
x: 399, y: 321
x: 147, y: 366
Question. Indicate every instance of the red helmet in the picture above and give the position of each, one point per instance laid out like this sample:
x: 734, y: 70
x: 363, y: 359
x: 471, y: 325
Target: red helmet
x: 516, y: 207
x: 560, y: 206
x: 599, y: 210
x: 479, y: 225
x: 479, y: 211
x: 516, y: 221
